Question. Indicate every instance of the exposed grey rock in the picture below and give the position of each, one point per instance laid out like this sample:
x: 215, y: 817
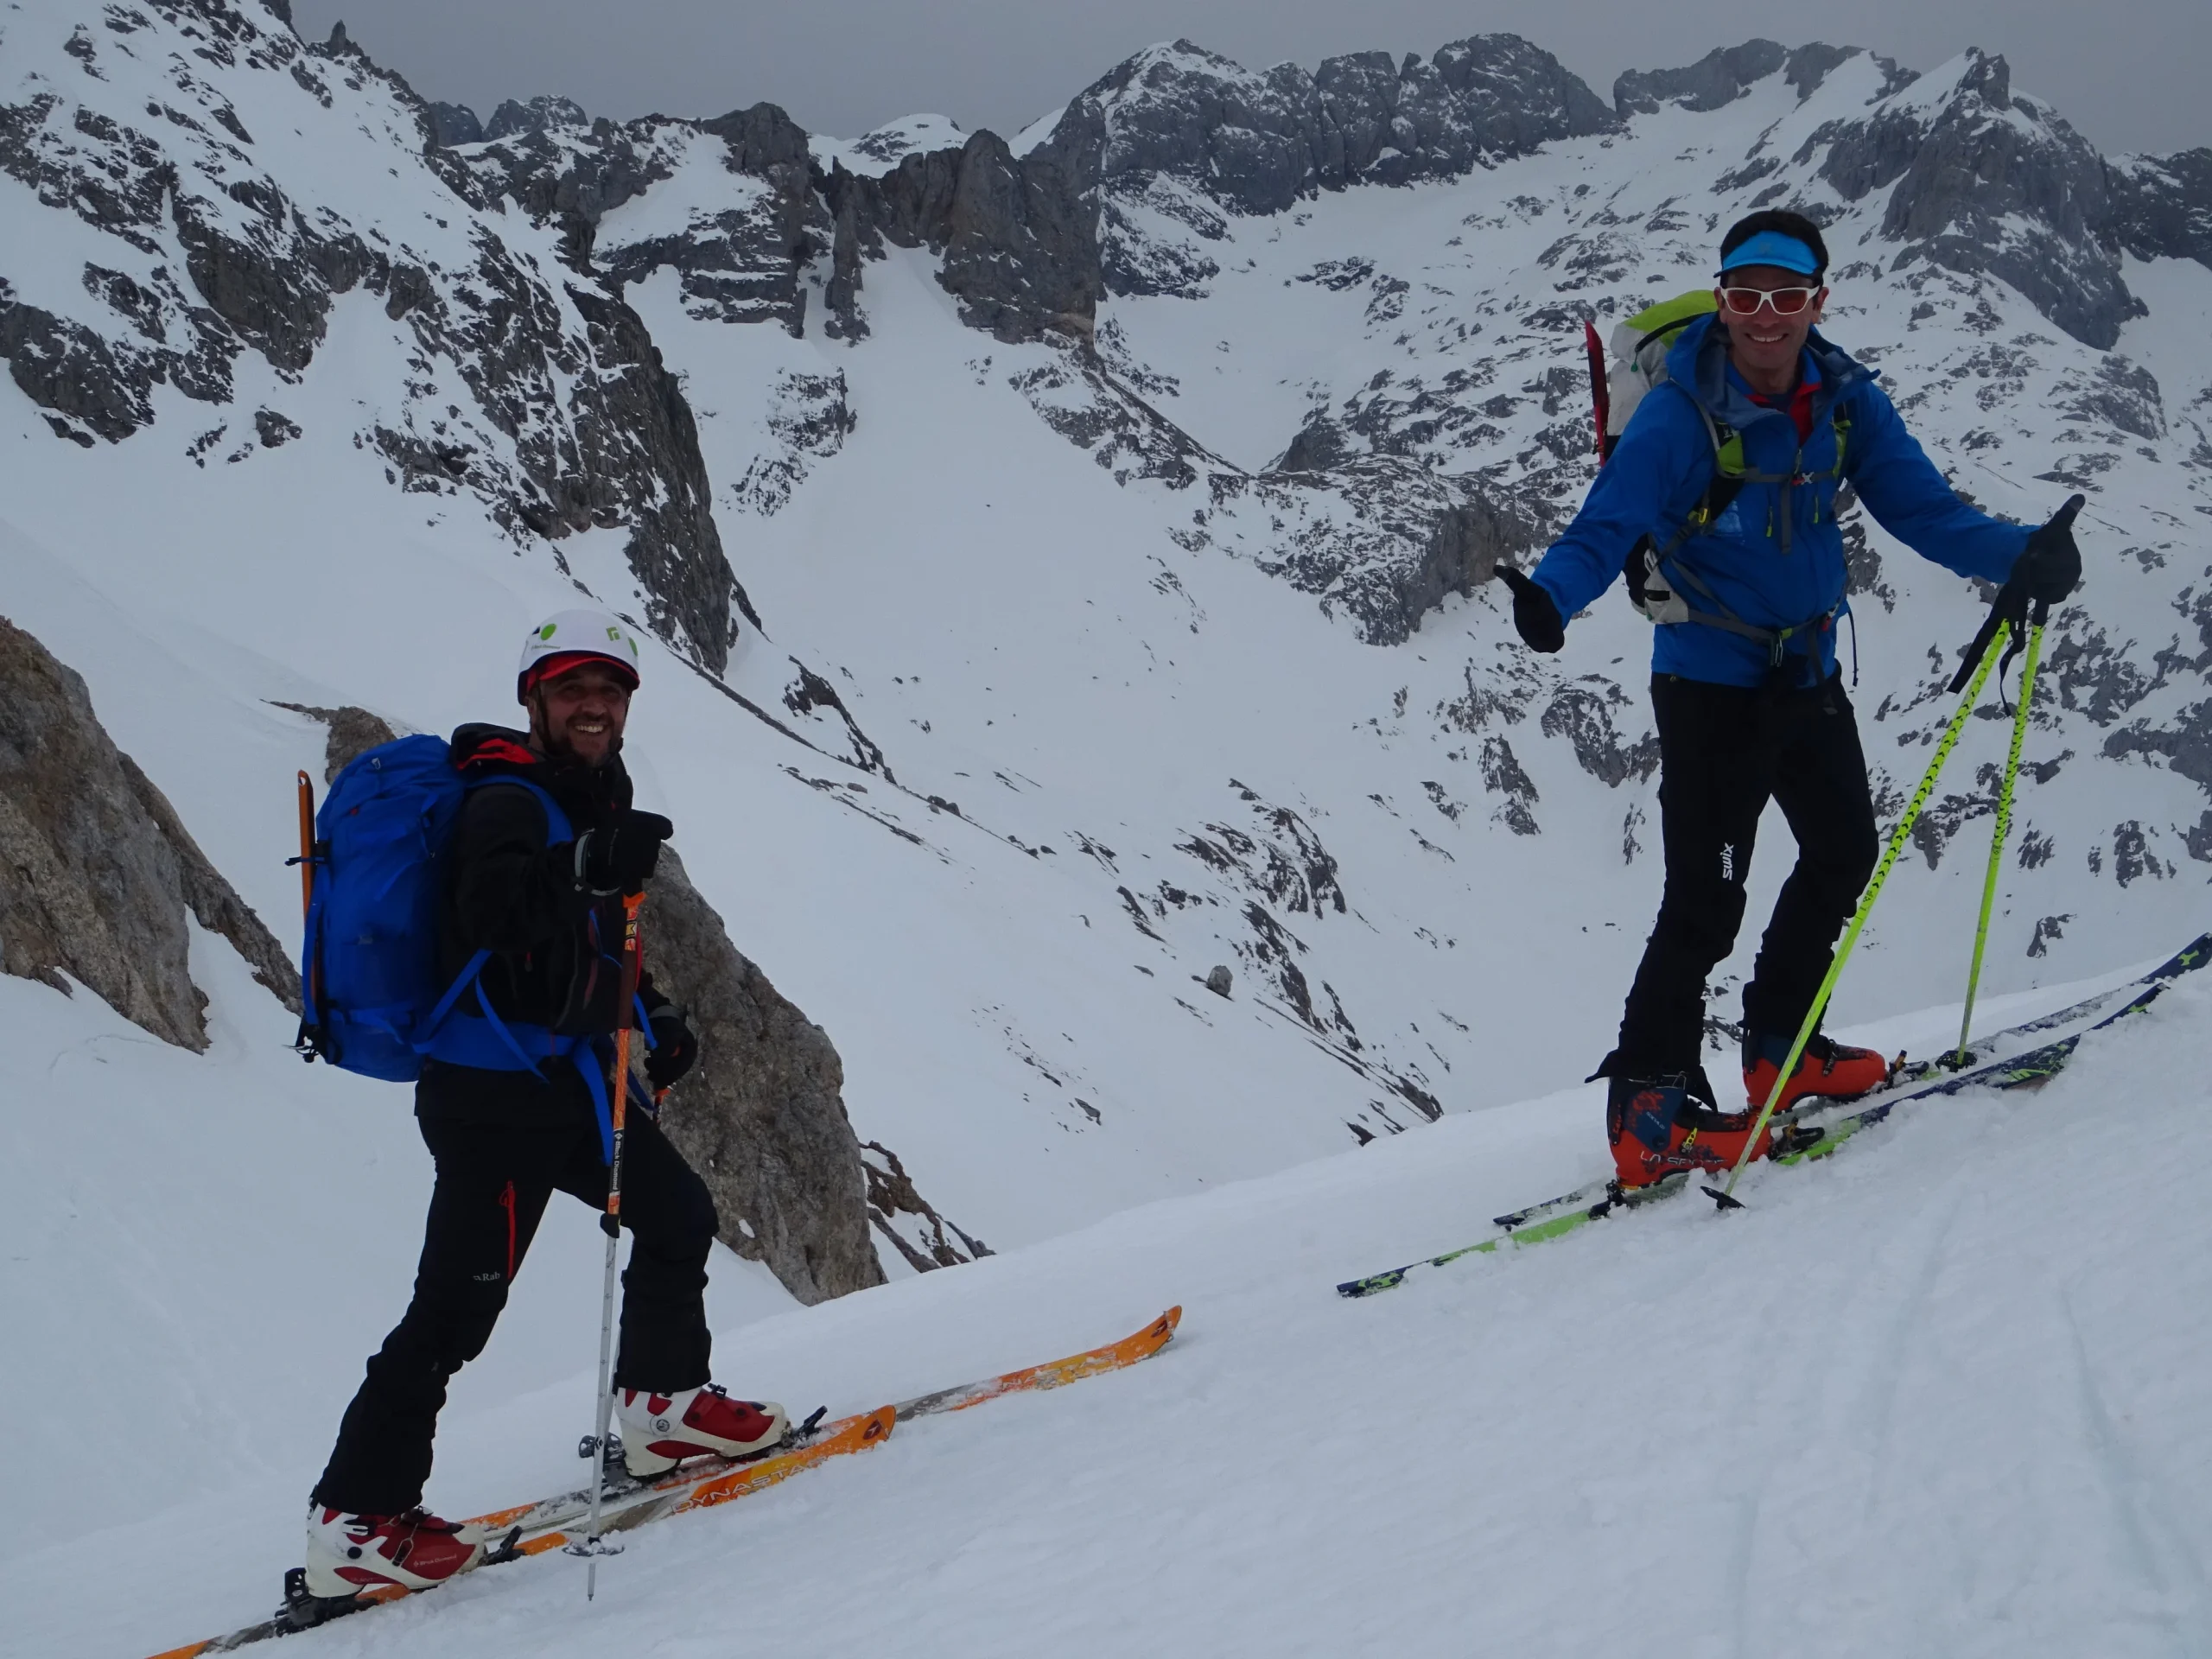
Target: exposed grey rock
x: 1808, y: 66
x: 354, y: 732
x: 455, y: 124
x: 2123, y: 395
x: 762, y: 1116
x: 809, y: 418
x: 1967, y: 182
x: 275, y: 429
x: 743, y: 263
x: 2185, y: 743
x: 1319, y: 445
x: 1718, y: 79
x: 556, y: 427
x: 1976, y: 170
x: 540, y: 114
x: 2162, y: 205
x: 1178, y: 126
x: 97, y: 873
x: 1218, y: 980
x: 1020, y: 248
x: 65, y: 366
x: 892, y: 1199
x: 1583, y: 715
x: 1503, y: 776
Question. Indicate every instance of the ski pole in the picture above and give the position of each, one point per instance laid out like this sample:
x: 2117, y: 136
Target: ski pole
x: 2060, y: 519
x: 1724, y: 1196
x: 2003, y: 824
x: 611, y: 1224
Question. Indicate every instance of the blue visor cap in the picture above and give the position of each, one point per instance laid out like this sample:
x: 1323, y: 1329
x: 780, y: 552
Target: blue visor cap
x: 1774, y: 248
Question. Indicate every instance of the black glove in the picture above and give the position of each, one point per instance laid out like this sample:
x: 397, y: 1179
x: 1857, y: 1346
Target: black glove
x: 1534, y: 617
x: 675, y: 1047
x: 2050, y: 566
x: 619, y: 855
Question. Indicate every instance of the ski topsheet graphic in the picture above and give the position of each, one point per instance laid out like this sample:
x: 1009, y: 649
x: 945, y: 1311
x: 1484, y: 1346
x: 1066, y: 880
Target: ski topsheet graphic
x: 528, y: 1529
x: 2004, y: 1059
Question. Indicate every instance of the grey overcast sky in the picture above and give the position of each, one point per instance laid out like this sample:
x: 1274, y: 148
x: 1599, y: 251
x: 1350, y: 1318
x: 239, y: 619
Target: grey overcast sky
x: 2130, y: 74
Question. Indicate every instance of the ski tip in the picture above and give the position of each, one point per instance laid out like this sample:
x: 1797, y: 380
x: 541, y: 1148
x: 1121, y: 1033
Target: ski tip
x: 1369, y: 1285
x: 1722, y: 1199
x: 1165, y: 1325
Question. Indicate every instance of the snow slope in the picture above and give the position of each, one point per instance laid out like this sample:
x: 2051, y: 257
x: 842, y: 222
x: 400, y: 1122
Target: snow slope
x: 1037, y: 736
x: 1943, y: 1396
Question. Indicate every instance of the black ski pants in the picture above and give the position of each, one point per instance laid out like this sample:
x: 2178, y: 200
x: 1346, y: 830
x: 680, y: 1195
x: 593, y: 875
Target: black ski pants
x: 494, y: 1180
x: 1724, y: 752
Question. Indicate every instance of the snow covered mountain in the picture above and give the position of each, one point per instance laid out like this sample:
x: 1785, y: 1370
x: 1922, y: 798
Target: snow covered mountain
x: 1071, y: 551
x: 1069, y: 557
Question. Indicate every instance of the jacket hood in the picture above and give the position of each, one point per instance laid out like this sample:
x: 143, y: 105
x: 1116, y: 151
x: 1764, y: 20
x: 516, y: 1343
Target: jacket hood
x: 1698, y: 364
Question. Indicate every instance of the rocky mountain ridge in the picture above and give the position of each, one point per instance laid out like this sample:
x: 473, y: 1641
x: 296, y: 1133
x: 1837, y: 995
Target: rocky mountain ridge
x: 996, y: 431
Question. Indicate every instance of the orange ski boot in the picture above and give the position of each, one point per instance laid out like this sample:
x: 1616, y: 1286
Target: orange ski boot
x: 1663, y: 1126
x: 1826, y: 1068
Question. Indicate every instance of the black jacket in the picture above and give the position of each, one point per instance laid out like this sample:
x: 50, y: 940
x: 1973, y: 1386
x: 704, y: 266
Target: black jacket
x: 556, y: 947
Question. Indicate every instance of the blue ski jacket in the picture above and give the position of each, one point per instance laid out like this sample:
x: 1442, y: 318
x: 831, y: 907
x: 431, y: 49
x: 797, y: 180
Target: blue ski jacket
x: 1769, y: 578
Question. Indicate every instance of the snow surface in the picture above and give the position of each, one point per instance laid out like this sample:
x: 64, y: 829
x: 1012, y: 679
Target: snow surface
x: 1943, y: 1396
x: 879, y: 151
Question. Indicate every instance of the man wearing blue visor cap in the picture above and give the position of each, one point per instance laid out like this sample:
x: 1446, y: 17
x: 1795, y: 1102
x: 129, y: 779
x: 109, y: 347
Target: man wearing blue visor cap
x: 1720, y: 502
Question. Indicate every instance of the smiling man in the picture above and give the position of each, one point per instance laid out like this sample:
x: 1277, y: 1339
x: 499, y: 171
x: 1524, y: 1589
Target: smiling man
x: 512, y: 1102
x: 1723, y: 486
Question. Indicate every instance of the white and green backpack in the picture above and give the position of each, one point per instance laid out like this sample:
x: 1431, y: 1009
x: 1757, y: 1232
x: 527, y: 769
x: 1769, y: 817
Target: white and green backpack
x: 1656, y: 577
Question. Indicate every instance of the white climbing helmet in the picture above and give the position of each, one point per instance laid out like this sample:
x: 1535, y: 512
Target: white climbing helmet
x: 568, y: 638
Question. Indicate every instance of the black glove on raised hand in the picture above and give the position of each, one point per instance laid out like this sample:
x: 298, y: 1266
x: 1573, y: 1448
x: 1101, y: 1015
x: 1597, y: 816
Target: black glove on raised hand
x: 1534, y: 617
x: 675, y: 1045
x: 619, y: 856
x: 2050, y: 566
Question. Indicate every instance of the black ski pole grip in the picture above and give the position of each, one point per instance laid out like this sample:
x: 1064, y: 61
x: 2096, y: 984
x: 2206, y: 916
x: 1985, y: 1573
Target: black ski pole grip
x: 1976, y: 651
x: 2059, y: 520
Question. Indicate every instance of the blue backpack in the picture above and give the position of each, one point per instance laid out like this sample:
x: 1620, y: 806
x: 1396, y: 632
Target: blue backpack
x: 371, y: 996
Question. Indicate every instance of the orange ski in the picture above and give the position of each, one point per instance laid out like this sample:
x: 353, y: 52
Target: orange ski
x: 718, y: 1481
x: 1052, y: 1375
x: 533, y: 1528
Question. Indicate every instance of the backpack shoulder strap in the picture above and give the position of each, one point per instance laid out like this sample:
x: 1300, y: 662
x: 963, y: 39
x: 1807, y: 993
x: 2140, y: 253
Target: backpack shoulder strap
x: 557, y: 828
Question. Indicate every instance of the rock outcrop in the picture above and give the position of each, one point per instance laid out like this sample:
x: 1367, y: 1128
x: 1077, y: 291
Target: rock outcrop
x: 1178, y: 135
x: 533, y: 388
x: 1719, y: 78
x: 2162, y: 205
x: 762, y: 1116
x: 1020, y: 246
x: 97, y: 872
x: 353, y: 731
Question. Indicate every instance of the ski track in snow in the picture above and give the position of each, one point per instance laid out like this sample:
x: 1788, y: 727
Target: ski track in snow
x: 1941, y: 1395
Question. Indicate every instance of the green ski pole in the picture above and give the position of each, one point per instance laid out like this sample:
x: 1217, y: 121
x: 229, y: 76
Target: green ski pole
x: 1989, y: 636
x: 2004, y: 827
x: 2034, y: 626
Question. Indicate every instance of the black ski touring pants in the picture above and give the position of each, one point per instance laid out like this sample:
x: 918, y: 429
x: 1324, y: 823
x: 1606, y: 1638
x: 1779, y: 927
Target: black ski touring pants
x: 494, y: 1180
x: 1724, y: 752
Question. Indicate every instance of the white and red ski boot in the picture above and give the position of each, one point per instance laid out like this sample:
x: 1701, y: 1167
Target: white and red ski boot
x: 660, y: 1430
x: 348, y: 1554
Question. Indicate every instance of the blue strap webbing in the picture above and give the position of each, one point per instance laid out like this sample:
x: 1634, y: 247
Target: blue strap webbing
x: 488, y: 1043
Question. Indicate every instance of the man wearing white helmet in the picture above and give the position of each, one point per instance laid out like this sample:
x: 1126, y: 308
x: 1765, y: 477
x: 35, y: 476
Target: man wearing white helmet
x: 546, y: 907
